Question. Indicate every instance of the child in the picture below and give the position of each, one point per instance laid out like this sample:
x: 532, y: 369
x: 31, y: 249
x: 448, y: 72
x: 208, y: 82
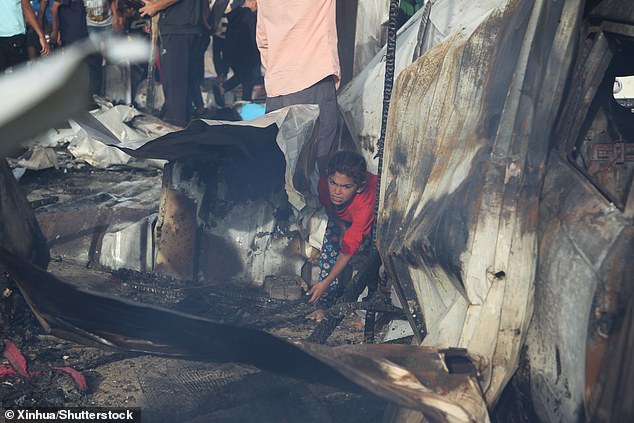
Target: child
x: 347, y: 193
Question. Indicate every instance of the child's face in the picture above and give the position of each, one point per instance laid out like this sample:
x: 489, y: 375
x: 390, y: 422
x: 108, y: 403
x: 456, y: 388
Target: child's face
x: 342, y: 188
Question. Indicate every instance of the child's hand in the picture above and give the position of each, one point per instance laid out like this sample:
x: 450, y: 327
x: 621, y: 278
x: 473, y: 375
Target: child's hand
x: 317, y: 290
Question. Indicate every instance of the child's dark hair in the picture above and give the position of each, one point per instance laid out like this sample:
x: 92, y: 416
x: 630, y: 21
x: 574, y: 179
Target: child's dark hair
x: 350, y: 164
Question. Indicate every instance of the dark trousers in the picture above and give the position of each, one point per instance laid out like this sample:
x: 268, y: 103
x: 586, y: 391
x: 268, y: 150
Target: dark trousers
x: 12, y: 51
x: 324, y: 94
x: 221, y: 66
x: 178, y: 75
x: 245, y: 76
x: 198, y: 71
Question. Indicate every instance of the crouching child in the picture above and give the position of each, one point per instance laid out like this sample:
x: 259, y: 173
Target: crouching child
x: 348, y: 194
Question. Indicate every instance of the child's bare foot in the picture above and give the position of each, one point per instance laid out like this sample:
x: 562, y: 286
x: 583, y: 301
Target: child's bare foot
x: 317, y: 315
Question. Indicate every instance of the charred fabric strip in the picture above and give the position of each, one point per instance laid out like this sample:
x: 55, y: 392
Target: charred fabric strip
x: 111, y: 323
x: 199, y: 138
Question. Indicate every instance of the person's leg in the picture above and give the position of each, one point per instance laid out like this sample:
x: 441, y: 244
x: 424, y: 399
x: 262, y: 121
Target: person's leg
x: 175, y: 63
x: 33, y: 44
x: 248, y: 81
x: 219, y: 63
x: 96, y: 61
x: 198, y: 70
x: 244, y: 76
x: 326, y: 97
x: 323, y: 94
x: 4, y: 53
x: 231, y: 83
x: 12, y: 51
x: 327, y: 259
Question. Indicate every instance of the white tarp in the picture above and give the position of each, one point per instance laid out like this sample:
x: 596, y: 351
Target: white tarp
x: 35, y: 103
x: 94, y: 140
x: 371, y: 29
x: 361, y: 101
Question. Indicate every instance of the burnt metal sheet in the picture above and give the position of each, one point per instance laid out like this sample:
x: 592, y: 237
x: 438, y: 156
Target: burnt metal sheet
x: 617, y: 153
x: 443, y: 384
x: 175, y: 231
x: 581, y: 290
x: 468, y: 138
x: 19, y: 229
x: 613, y: 10
x: 610, y: 404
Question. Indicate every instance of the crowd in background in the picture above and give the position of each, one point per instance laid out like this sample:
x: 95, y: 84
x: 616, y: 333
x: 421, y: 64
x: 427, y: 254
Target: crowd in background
x: 186, y: 27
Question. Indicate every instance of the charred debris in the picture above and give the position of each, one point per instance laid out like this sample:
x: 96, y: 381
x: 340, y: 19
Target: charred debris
x: 505, y: 234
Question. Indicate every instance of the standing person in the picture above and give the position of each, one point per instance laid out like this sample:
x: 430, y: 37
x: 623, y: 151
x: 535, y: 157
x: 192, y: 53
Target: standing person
x: 298, y: 46
x: 180, y: 27
x: 14, y: 16
x: 347, y: 193
x: 69, y: 22
x: 198, y: 71
x: 101, y: 18
x: 218, y: 23
x: 241, y: 52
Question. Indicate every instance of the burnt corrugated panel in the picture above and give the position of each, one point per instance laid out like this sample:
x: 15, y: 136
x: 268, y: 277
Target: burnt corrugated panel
x: 614, y: 10
x: 583, y: 269
x: 468, y: 138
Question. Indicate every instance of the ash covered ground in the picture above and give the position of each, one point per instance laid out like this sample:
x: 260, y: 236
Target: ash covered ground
x: 167, y: 390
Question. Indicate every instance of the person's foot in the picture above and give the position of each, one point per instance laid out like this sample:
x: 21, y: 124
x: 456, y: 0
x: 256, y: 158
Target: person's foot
x: 317, y: 315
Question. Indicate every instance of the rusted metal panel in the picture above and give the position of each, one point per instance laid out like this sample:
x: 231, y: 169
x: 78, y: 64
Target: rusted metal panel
x: 176, y: 230
x: 468, y: 138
